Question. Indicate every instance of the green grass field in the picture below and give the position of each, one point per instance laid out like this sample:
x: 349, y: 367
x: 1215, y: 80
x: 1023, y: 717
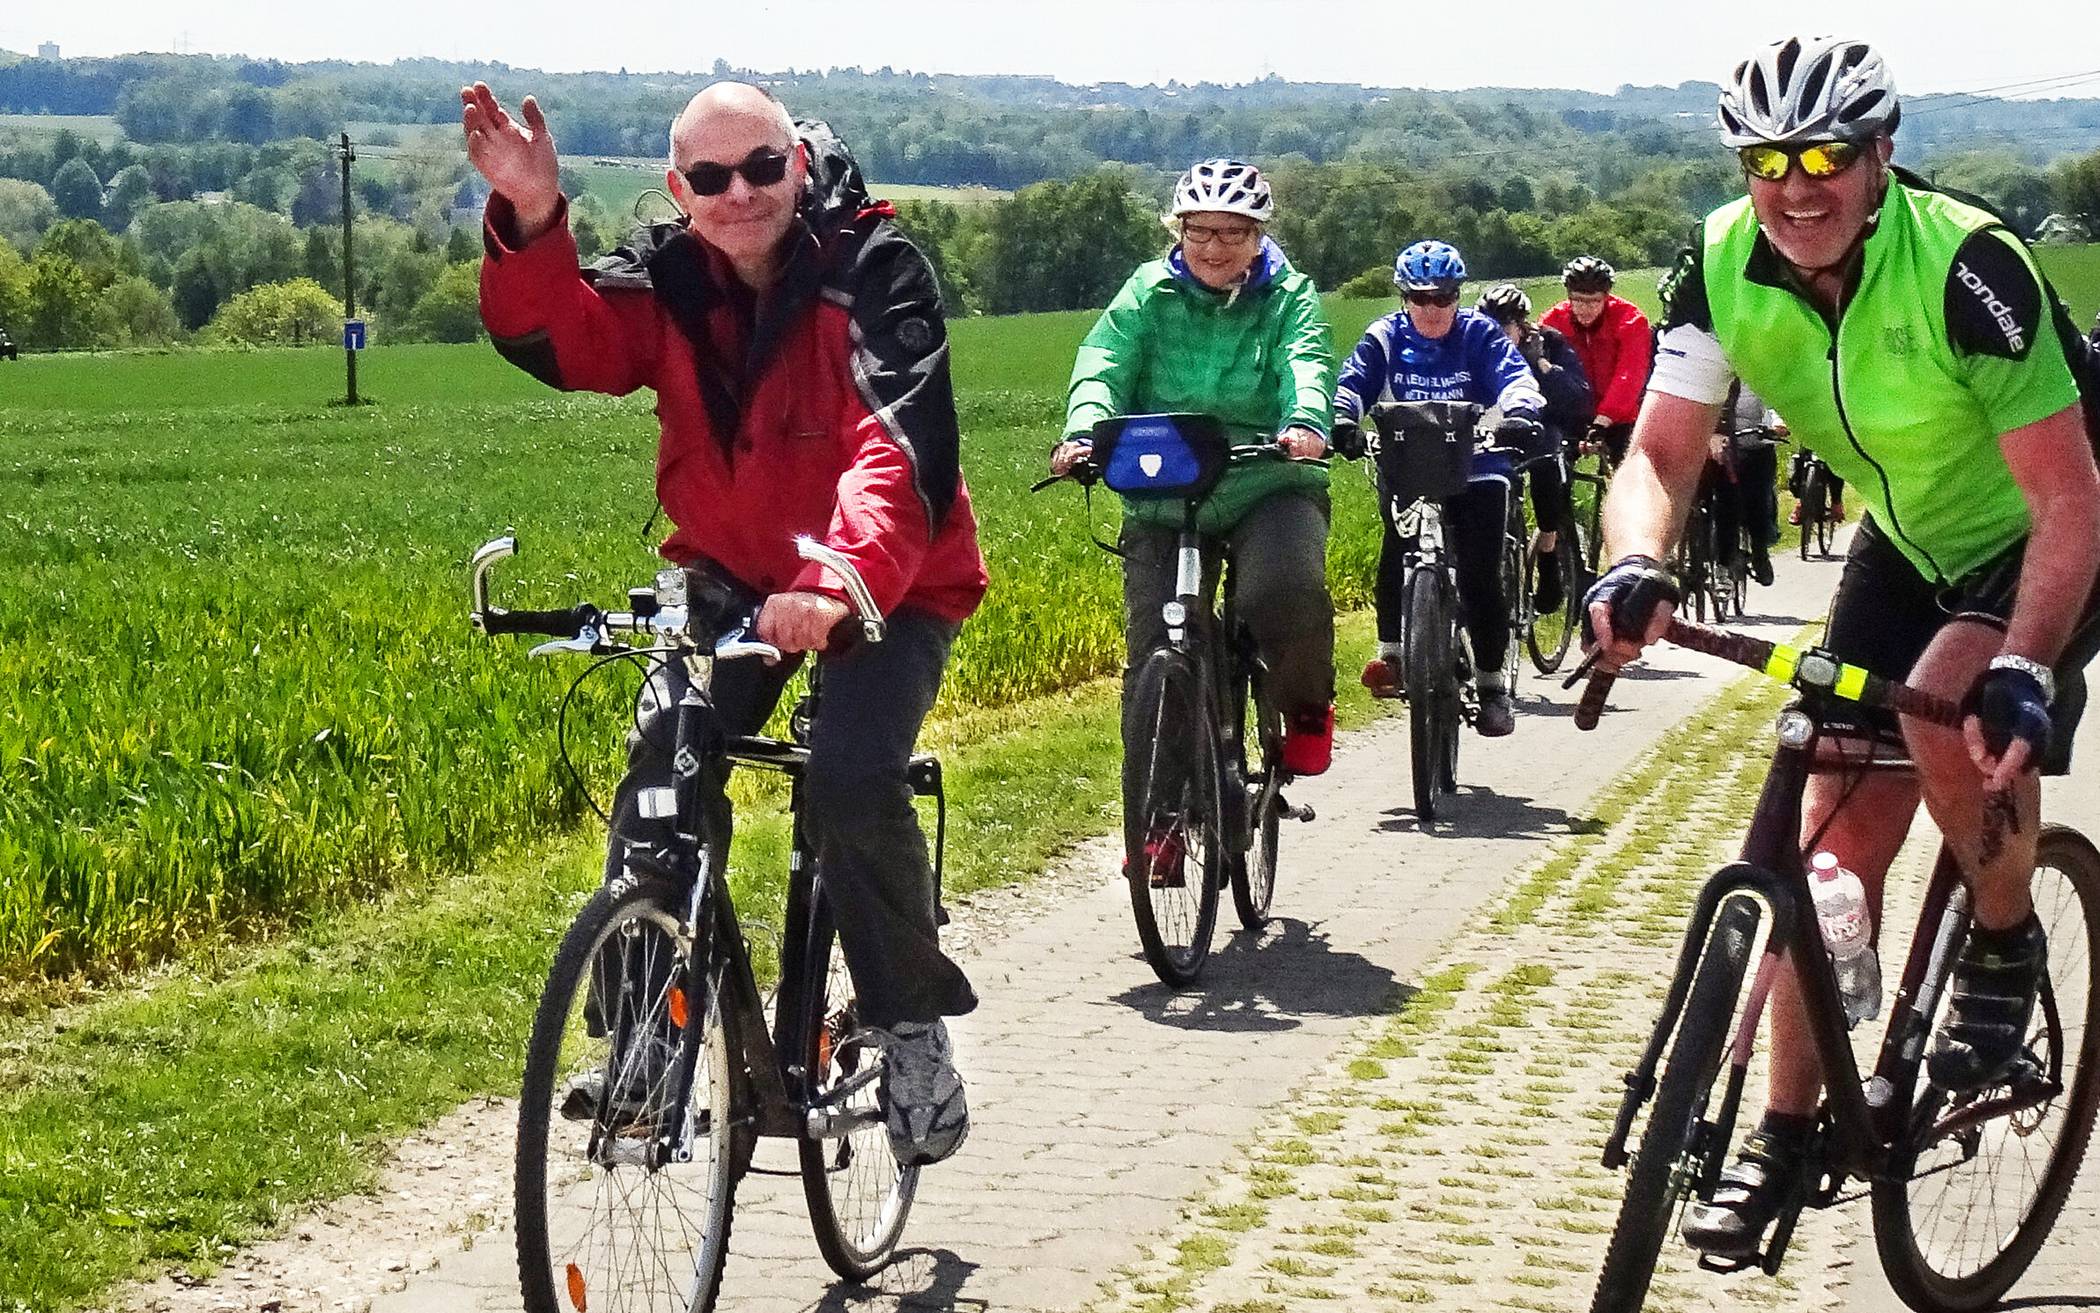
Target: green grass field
x: 97, y: 127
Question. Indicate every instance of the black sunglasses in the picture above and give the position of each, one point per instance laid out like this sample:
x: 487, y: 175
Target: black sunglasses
x: 1432, y: 298
x: 761, y: 168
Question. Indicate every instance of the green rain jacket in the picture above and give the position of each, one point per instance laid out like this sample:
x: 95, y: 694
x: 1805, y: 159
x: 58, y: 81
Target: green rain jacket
x: 1258, y: 358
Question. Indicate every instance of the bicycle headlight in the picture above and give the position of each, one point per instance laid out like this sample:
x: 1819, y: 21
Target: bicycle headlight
x: 1175, y: 614
x: 1796, y: 727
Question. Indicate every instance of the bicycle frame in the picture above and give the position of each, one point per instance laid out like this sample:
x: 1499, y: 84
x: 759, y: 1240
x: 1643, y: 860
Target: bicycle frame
x: 1867, y: 1119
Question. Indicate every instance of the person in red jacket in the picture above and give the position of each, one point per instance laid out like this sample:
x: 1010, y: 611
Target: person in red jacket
x: 795, y: 344
x: 1611, y: 338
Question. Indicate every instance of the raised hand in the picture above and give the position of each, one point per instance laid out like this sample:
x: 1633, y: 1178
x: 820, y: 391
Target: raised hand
x: 515, y: 154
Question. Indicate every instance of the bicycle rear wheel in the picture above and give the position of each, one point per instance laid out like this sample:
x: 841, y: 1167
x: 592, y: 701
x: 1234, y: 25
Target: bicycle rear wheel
x: 608, y: 1220
x: 1549, y: 634
x: 1172, y: 818
x: 1254, y: 874
x: 858, y: 1194
x: 1426, y: 666
x: 1964, y: 1208
x: 1812, y: 510
x: 1672, y: 1144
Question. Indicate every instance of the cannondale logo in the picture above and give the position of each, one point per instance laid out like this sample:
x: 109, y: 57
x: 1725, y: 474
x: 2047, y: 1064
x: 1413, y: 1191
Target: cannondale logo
x: 2014, y: 336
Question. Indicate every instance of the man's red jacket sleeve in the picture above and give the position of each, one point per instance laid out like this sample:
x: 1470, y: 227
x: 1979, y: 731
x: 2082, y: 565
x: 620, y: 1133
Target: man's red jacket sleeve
x: 547, y: 319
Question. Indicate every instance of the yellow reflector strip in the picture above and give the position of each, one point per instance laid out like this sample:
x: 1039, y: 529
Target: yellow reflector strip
x: 1851, y: 682
x: 1783, y: 662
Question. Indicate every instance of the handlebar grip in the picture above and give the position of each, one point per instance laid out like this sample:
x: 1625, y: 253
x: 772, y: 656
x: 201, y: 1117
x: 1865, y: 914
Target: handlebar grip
x: 1591, y: 709
x: 552, y: 624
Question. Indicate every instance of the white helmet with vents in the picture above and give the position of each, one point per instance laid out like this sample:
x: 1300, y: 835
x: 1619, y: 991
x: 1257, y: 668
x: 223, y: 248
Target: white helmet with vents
x: 1225, y: 185
x: 1809, y: 89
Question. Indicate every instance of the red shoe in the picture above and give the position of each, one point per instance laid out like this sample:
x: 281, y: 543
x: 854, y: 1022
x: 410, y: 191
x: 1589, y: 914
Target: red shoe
x: 1382, y: 677
x: 1308, y: 742
x: 1837, y: 510
x: 1794, y: 516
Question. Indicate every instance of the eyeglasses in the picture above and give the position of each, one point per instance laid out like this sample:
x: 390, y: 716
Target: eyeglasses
x: 1432, y: 298
x: 1823, y: 159
x: 1197, y: 234
x: 761, y: 168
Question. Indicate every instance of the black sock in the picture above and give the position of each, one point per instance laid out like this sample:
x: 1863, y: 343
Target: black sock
x: 2013, y: 937
x: 1789, y: 1129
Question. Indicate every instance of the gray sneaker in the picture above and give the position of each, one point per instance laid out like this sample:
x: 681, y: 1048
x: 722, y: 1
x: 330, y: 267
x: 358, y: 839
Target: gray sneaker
x: 928, y: 1117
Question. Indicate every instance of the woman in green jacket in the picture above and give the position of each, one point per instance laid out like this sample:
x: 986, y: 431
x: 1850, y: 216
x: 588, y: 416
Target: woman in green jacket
x: 1223, y: 325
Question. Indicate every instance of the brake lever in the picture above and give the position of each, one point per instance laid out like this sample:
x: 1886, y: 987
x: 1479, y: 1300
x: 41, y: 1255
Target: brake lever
x: 588, y: 641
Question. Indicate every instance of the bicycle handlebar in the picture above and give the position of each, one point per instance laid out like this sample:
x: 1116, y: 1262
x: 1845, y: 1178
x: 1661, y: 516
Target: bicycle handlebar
x: 1811, y: 669
x: 724, y: 621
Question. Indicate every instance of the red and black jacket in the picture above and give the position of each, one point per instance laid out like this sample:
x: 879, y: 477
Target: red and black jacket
x: 825, y: 408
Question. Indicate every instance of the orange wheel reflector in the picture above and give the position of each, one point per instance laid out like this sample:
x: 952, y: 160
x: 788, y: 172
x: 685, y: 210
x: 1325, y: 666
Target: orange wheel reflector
x: 576, y: 1288
x: 678, y: 1009
x: 824, y: 1049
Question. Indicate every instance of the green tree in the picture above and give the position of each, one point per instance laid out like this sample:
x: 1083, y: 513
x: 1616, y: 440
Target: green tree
x: 77, y: 191
x: 199, y: 284
x: 61, y: 311
x: 137, y: 313
x: 130, y: 190
x: 1066, y: 245
x: 451, y: 310
x: 461, y: 244
x: 295, y: 313
x: 2076, y: 184
x: 26, y: 210
x: 88, y: 245
x: 14, y: 287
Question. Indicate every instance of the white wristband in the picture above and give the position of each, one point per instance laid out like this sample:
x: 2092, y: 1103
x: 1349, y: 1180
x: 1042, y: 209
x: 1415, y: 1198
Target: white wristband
x: 2040, y: 673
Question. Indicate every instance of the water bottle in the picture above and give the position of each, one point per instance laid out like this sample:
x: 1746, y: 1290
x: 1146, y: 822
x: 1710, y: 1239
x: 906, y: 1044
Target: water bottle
x: 1848, y: 931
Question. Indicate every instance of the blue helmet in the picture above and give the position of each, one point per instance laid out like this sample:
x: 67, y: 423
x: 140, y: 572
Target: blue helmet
x: 1429, y: 267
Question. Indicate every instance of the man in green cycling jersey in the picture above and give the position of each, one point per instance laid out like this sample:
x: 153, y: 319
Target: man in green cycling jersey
x: 1910, y: 340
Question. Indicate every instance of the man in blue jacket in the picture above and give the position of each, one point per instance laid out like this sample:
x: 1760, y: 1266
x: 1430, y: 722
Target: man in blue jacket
x: 1430, y: 350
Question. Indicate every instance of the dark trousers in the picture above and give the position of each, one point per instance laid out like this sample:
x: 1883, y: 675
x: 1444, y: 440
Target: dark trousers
x: 857, y: 804
x: 1473, y: 523
x: 1279, y: 568
x: 1549, y: 494
x: 1747, y: 499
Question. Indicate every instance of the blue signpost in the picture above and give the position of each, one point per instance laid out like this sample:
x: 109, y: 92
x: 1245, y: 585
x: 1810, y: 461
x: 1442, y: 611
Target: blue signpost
x: 353, y: 335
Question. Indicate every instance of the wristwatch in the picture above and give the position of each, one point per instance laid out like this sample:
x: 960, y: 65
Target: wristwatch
x: 2040, y: 673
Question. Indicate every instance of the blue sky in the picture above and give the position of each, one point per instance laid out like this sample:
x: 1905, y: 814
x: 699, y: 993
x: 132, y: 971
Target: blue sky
x: 1593, y: 44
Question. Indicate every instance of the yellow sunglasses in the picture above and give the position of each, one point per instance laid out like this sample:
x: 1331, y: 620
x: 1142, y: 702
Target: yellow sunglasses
x: 1824, y: 159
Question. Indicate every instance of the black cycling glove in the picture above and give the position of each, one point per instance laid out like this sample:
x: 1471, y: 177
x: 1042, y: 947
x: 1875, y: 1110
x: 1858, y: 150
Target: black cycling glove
x: 2011, y: 705
x: 1521, y: 432
x: 1347, y: 440
x: 1630, y: 590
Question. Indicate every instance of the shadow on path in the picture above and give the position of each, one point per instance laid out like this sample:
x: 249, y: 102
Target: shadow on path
x: 1476, y: 813
x: 1269, y: 982
x: 930, y: 1279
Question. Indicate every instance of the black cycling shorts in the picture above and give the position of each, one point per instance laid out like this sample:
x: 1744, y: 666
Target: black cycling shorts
x: 1886, y: 614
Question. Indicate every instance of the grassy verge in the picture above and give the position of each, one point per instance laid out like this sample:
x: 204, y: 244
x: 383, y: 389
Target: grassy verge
x: 164, y: 1124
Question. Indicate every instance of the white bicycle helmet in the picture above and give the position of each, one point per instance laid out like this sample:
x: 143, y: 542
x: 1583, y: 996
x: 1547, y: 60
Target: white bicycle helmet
x: 1809, y: 89
x: 1229, y: 186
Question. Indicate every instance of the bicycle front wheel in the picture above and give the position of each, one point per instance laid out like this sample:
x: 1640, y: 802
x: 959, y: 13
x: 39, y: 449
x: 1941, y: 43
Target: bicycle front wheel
x: 1172, y: 818
x: 858, y: 1194
x: 624, y: 1193
x: 1550, y: 633
x: 1672, y: 1143
x: 1426, y: 666
x: 1254, y: 875
x: 1965, y: 1207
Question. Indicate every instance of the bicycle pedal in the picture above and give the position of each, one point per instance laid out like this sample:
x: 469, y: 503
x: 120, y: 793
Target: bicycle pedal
x: 1293, y: 813
x: 1728, y: 1266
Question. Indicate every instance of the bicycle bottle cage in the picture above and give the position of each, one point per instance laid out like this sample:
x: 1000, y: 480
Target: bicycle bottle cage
x: 1157, y: 457
x: 1423, y: 449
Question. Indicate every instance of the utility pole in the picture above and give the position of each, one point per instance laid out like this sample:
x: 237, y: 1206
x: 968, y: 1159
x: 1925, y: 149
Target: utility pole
x: 349, y: 279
